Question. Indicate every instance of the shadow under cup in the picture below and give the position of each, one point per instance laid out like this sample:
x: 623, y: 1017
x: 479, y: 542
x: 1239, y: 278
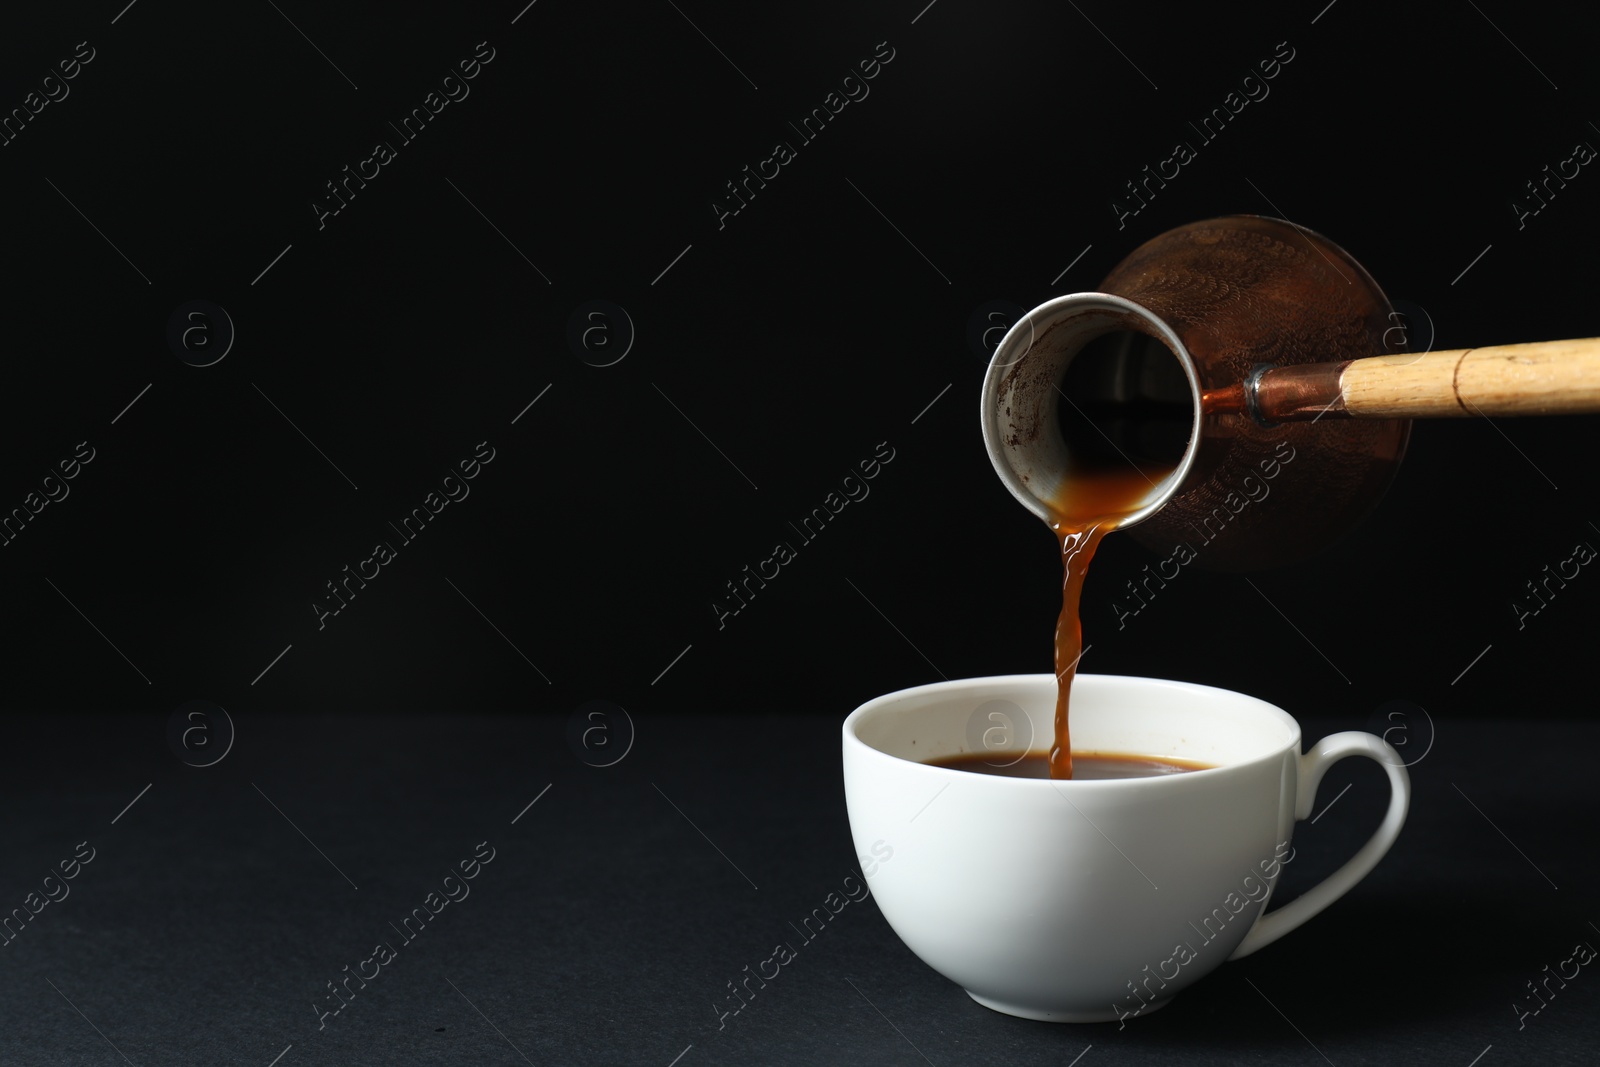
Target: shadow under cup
x: 1075, y: 901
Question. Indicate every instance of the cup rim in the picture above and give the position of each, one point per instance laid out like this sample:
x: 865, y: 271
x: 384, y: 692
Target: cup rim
x: 955, y: 685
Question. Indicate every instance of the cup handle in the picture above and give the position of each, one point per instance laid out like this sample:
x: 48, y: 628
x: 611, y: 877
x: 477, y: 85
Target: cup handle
x: 1313, y: 765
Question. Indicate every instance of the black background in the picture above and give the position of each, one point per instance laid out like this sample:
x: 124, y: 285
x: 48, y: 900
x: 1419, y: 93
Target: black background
x: 797, y: 337
x: 771, y: 355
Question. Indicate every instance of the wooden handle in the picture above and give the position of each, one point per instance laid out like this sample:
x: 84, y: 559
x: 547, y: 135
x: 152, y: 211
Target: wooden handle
x: 1542, y: 378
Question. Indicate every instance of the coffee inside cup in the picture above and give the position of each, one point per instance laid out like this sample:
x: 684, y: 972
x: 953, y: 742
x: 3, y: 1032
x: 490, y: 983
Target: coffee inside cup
x: 1086, y: 766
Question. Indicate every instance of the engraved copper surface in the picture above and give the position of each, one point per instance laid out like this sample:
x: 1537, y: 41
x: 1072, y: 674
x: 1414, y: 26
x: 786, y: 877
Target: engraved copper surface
x: 1243, y: 291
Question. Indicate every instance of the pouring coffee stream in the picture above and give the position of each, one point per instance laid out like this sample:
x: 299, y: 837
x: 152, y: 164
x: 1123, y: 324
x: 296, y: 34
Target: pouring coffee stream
x: 1090, y: 506
x: 1216, y: 358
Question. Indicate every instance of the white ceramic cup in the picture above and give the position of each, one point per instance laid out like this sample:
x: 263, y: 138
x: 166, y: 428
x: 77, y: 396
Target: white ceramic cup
x: 1090, y: 901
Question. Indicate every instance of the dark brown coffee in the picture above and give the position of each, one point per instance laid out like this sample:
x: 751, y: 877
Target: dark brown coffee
x: 1086, y: 766
x: 1088, y: 505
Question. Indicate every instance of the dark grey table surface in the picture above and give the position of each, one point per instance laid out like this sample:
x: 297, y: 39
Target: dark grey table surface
x: 218, y: 907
